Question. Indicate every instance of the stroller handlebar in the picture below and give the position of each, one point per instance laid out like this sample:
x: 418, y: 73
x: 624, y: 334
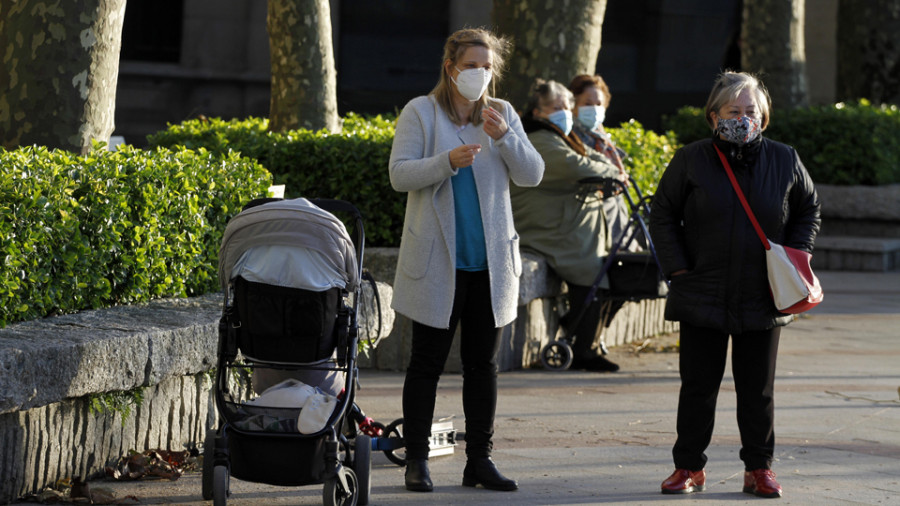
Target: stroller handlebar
x: 611, y: 186
x: 607, y: 182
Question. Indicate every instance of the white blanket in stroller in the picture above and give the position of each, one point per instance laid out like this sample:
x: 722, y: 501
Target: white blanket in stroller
x: 315, y: 407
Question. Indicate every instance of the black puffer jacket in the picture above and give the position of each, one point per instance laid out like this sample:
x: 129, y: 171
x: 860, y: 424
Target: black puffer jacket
x: 697, y: 223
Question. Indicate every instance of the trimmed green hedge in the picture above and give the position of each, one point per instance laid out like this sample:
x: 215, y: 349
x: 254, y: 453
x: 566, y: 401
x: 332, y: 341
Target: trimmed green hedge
x: 353, y: 165
x: 109, y: 228
x: 648, y: 152
x: 844, y: 144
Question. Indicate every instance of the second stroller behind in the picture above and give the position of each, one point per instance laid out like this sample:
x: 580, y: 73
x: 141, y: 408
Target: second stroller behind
x: 632, y: 276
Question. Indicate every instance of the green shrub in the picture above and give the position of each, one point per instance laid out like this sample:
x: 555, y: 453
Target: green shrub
x: 844, y: 144
x: 353, y: 165
x: 648, y: 153
x: 108, y: 228
x: 249, y: 136
x: 688, y: 124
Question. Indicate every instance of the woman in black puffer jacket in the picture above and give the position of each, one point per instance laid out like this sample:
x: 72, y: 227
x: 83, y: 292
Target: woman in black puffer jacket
x: 710, y: 251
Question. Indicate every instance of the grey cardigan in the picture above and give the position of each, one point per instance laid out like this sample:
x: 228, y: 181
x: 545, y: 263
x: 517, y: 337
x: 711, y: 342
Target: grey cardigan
x: 420, y: 165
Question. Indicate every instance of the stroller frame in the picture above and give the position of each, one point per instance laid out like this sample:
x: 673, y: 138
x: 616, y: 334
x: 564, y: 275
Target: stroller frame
x: 557, y: 354
x: 342, y: 464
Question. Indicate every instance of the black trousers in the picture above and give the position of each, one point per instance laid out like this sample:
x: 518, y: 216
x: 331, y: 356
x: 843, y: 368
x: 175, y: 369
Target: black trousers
x: 479, y: 343
x: 702, y: 365
x: 585, y: 330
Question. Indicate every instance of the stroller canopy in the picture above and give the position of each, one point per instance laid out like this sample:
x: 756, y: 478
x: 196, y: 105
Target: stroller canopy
x: 289, y: 243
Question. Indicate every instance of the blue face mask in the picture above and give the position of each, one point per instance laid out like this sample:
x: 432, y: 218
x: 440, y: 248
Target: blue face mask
x: 591, y: 116
x: 562, y: 119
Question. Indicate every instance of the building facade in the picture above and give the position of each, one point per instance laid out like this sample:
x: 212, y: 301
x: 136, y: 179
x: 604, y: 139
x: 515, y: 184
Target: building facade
x: 186, y: 58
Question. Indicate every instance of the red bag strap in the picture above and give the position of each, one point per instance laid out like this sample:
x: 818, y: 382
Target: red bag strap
x: 740, y: 194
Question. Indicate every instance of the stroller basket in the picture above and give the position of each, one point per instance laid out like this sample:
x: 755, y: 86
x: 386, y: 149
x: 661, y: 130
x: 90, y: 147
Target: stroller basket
x: 261, y: 418
x: 253, y: 458
x: 635, y: 276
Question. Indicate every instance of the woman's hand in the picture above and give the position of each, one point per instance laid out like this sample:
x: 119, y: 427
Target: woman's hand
x: 464, y: 155
x: 494, y: 124
x: 623, y: 177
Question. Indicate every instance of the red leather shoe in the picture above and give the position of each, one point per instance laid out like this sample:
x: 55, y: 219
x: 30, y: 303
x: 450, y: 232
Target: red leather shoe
x: 684, y: 481
x: 761, y: 483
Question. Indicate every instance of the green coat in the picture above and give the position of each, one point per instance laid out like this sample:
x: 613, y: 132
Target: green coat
x: 551, y: 221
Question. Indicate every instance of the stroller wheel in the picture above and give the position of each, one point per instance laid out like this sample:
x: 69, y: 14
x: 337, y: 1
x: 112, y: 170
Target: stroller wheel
x: 220, y: 486
x: 394, y: 430
x: 335, y: 495
x: 557, y: 356
x: 362, y: 464
x: 209, y: 448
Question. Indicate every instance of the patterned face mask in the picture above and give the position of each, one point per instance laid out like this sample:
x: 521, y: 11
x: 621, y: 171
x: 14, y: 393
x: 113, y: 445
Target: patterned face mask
x: 738, y: 130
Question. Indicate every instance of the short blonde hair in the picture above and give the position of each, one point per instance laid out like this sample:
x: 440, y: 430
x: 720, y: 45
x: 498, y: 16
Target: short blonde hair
x: 547, y: 92
x: 727, y: 88
x: 455, y: 46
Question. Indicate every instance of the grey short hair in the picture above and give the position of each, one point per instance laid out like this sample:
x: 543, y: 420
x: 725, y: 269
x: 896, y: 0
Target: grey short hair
x: 547, y: 92
x: 729, y: 85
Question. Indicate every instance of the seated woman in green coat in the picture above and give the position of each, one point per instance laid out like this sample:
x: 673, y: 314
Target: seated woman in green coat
x: 552, y: 220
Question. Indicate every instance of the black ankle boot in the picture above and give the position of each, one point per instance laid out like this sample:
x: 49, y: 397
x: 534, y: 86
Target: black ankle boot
x: 417, y: 477
x: 482, y: 471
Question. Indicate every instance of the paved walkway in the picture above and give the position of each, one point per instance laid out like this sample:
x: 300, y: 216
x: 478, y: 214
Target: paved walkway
x: 587, y: 438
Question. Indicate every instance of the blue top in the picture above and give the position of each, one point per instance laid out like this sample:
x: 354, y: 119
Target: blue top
x: 471, y: 252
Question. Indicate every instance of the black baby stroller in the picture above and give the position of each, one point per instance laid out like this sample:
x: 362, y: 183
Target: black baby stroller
x: 632, y: 276
x: 286, y: 366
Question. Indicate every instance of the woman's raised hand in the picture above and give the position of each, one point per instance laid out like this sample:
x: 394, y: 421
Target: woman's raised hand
x: 494, y: 124
x: 464, y: 155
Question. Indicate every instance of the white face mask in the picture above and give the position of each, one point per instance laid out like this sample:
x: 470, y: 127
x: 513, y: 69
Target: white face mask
x: 562, y: 119
x: 472, y: 83
x: 591, y: 116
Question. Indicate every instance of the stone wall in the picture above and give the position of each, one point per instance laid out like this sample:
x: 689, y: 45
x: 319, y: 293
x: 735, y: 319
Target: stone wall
x: 66, y: 439
x: 537, y: 323
x: 50, y: 367
x: 860, y: 228
x: 119, y: 348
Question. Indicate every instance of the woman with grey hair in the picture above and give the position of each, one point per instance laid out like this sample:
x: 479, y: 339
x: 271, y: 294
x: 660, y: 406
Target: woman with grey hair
x: 455, y: 152
x: 552, y: 219
x: 709, y: 249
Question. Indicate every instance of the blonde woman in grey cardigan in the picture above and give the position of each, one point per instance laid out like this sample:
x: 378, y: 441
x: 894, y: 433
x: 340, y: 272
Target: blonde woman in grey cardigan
x: 455, y: 152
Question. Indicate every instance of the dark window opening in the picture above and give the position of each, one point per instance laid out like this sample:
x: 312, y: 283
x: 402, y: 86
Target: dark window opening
x: 389, y: 52
x: 152, y: 30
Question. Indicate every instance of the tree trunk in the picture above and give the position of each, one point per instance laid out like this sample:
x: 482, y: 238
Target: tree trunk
x: 868, y: 59
x: 304, y: 79
x: 61, y: 64
x: 772, y: 46
x: 552, y: 39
